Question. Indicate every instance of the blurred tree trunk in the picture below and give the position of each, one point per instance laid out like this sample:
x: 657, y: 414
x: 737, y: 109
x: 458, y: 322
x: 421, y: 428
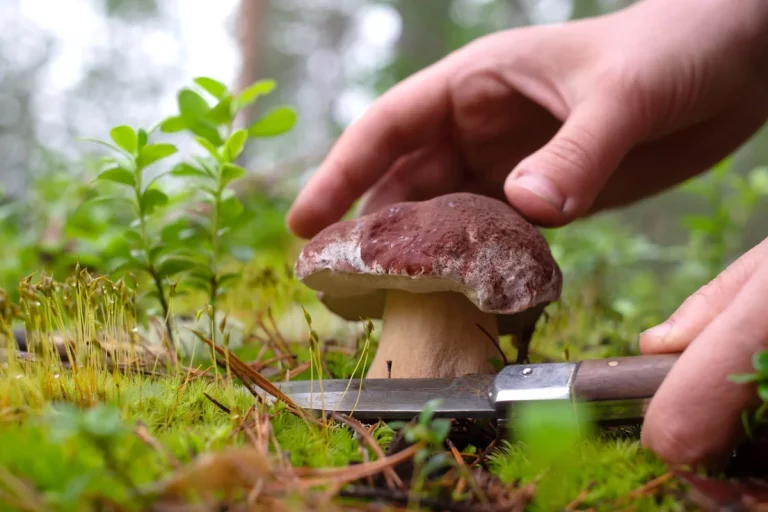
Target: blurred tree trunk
x: 425, y: 36
x: 252, y: 37
x: 585, y: 8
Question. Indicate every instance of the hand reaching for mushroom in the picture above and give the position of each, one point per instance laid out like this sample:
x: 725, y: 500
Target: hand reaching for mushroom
x: 565, y: 120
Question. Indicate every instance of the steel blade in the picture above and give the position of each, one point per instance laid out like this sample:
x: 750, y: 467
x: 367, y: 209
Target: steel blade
x: 395, y: 399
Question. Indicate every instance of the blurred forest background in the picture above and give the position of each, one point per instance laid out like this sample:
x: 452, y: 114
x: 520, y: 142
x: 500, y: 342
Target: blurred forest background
x: 77, y: 68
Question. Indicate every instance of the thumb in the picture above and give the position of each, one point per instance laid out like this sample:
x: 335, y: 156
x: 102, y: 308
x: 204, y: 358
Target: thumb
x: 701, y: 308
x: 558, y: 183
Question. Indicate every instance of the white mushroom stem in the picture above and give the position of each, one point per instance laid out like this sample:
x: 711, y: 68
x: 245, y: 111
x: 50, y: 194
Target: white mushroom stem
x: 433, y: 335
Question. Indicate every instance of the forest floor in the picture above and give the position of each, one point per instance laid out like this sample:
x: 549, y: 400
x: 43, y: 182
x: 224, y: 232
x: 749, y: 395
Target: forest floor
x: 119, y: 422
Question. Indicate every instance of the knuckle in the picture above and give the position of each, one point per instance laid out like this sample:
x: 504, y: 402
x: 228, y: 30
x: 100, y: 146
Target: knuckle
x: 709, y: 292
x: 627, y: 86
x: 573, y: 151
x: 620, y: 80
x: 705, y: 298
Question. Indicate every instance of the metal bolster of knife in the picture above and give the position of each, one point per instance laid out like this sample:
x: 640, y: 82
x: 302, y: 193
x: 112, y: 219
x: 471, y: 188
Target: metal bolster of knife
x: 617, y: 389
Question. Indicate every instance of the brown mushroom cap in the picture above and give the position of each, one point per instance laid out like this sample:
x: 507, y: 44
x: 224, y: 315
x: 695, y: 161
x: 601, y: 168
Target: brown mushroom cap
x: 467, y: 243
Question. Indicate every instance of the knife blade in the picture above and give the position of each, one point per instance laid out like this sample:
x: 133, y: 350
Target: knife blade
x: 614, y: 389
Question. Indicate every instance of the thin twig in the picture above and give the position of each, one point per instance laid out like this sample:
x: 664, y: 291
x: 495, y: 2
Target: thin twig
x: 495, y: 343
x: 647, y: 488
x: 246, y: 373
x: 217, y: 403
x: 259, y: 365
x: 581, y: 497
x: 479, y: 494
x: 290, y: 374
x: 390, y: 475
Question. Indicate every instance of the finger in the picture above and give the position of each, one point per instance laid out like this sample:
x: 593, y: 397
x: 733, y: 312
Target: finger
x: 559, y: 182
x: 694, y: 418
x: 702, y: 307
x: 405, y: 118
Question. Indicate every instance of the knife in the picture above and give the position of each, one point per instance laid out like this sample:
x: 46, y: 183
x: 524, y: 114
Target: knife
x: 615, y: 390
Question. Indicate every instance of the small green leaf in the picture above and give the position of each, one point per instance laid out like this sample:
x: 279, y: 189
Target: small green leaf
x: 437, y: 462
x: 107, y: 198
x: 758, y: 180
x: 214, y: 87
x: 207, y: 131
x: 156, y: 178
x: 210, y: 148
x: 252, y: 92
x: 221, y: 113
x: 698, y: 223
x: 171, y: 232
x: 188, y: 171
x: 131, y: 235
x: 152, y: 199
x: 173, y: 266
x: 275, y: 122
x: 231, y: 276
x: 744, y: 378
x: 762, y: 391
x: 192, y: 106
x: 102, y: 422
x: 235, y: 145
x: 142, y: 139
x: 497, y: 363
x: 721, y: 169
x: 230, y: 209
x: 125, y: 137
x: 760, y: 362
x: 198, y: 283
x: 429, y: 410
x: 173, y: 124
x: 231, y: 172
x: 441, y: 428
x: 202, y: 272
x: 157, y: 251
x: 415, y: 433
x: 154, y: 152
x: 118, y: 175
x: 206, y: 166
x: 139, y: 256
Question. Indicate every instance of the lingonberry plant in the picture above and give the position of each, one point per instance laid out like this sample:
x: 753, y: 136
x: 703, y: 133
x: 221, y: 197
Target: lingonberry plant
x: 759, y: 378
x: 191, y: 240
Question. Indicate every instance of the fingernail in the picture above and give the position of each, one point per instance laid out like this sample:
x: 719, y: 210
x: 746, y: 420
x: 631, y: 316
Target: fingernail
x: 542, y: 187
x: 658, y: 332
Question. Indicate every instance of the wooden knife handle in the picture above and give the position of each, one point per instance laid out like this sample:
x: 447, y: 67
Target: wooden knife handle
x: 621, y: 377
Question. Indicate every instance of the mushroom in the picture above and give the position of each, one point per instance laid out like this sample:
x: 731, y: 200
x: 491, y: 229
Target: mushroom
x: 443, y: 275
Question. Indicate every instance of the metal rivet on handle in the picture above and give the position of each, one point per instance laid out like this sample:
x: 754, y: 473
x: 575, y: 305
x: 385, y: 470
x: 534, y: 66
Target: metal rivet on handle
x: 527, y: 371
x: 613, y: 364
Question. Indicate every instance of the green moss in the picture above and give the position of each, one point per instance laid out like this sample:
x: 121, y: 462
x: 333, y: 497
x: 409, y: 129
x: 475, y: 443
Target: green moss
x: 612, y: 467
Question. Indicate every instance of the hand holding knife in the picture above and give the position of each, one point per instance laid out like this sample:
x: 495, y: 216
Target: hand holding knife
x: 615, y: 389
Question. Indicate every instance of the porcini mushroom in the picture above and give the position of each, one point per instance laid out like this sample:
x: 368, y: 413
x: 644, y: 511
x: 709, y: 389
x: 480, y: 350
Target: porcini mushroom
x: 435, y: 271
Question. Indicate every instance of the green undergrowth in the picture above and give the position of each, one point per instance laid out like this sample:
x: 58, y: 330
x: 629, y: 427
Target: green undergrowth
x: 173, y: 311
x: 97, y: 431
